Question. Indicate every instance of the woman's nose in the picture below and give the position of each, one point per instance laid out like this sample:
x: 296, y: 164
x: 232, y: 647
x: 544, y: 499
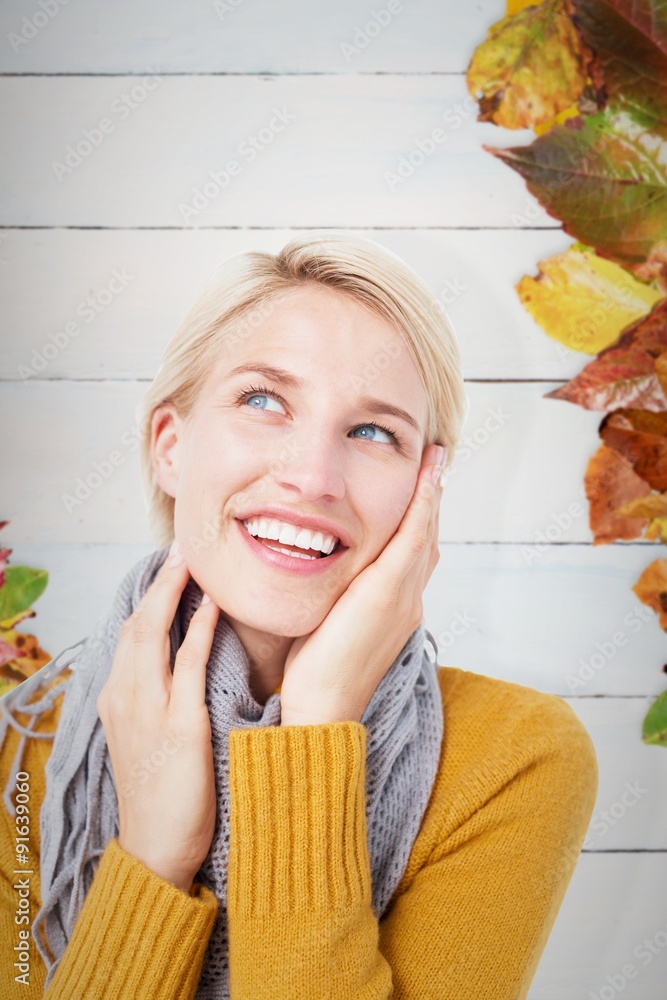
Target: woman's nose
x: 311, y: 464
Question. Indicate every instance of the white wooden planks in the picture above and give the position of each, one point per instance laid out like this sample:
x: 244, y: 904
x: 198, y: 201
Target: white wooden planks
x: 613, y: 918
x: 324, y: 149
x: 46, y: 275
x: 241, y: 36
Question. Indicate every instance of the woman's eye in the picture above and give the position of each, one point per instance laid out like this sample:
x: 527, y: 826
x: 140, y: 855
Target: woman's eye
x: 375, y: 429
x: 259, y: 396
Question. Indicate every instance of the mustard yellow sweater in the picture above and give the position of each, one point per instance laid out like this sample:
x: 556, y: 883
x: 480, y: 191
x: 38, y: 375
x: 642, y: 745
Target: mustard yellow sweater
x: 499, y: 842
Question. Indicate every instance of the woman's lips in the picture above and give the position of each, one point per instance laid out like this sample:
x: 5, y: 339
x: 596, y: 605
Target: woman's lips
x: 291, y: 564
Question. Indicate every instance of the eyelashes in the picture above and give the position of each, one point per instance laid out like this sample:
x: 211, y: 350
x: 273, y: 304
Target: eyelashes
x: 261, y: 390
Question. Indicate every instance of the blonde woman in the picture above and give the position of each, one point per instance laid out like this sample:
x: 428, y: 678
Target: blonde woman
x: 261, y: 784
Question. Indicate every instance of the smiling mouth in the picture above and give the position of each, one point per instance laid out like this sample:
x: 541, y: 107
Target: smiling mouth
x: 292, y: 550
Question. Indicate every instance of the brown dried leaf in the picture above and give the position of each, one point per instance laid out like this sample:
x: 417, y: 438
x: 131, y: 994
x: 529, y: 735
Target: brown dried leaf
x: 651, y: 588
x: 641, y: 437
x: 610, y: 482
x: 623, y: 374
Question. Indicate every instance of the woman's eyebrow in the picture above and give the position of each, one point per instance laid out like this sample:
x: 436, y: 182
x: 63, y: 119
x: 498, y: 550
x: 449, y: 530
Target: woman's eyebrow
x: 282, y: 376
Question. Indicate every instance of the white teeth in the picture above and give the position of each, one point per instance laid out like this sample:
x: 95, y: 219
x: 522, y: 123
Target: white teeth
x: 290, y: 534
x: 287, y: 534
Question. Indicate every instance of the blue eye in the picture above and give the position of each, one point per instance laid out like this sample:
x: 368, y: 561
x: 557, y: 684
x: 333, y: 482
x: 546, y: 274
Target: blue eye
x: 255, y: 395
x: 385, y: 430
x: 254, y: 391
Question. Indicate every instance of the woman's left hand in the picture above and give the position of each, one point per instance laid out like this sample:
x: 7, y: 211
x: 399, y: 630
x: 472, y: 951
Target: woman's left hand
x: 330, y: 675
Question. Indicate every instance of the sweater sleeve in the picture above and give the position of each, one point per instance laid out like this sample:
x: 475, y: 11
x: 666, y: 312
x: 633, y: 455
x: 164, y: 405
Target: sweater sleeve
x: 137, y: 935
x: 482, y: 889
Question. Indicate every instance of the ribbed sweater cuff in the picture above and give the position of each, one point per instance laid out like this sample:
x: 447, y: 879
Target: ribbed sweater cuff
x: 137, y: 934
x: 298, y: 839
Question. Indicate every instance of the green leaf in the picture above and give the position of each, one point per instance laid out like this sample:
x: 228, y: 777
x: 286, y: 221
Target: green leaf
x: 23, y: 585
x: 529, y: 68
x: 654, y: 727
x: 605, y: 177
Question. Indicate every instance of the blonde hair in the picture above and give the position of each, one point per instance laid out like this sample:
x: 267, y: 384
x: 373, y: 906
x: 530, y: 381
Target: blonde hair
x: 237, y: 298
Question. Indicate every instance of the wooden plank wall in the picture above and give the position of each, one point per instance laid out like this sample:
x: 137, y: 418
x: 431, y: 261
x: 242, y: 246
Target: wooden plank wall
x: 181, y: 87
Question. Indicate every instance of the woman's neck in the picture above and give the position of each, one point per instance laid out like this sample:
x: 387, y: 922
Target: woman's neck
x: 267, y: 654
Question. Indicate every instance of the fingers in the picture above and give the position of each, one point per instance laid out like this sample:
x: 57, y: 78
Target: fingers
x: 188, y: 686
x: 411, y: 546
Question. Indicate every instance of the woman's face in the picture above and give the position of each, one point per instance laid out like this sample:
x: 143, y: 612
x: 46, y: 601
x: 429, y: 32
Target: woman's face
x: 290, y: 449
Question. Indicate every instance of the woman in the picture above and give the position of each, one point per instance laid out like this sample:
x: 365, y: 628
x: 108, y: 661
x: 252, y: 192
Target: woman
x: 260, y: 784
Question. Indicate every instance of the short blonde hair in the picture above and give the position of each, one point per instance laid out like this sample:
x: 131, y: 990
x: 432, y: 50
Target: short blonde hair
x: 234, y: 301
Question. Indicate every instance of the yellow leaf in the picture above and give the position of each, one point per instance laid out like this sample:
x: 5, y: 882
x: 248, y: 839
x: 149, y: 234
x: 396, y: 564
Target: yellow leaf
x: 529, y: 68
x: 584, y: 301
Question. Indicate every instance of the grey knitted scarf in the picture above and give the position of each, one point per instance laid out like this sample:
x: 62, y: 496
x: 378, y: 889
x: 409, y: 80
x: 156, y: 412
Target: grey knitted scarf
x: 79, y: 815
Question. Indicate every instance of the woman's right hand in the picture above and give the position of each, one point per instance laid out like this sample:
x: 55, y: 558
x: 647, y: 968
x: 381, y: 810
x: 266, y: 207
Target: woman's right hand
x: 158, y: 732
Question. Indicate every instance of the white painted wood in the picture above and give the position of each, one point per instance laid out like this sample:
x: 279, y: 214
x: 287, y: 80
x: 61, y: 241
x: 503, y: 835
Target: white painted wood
x: 613, y: 915
x: 517, y: 473
x: 537, y: 626
x: 327, y: 167
x: 631, y: 808
x: 553, y: 624
x: 243, y: 36
x: 46, y: 276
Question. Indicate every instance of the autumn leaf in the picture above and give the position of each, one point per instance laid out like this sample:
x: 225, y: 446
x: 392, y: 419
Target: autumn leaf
x: 655, y: 268
x: 654, y: 727
x: 641, y: 437
x: 627, y: 373
x: 630, y: 45
x: 651, y: 589
x: 23, y: 585
x: 605, y: 175
x: 529, y: 68
x: 609, y: 482
x: 584, y: 301
x: 31, y: 657
x: 7, y: 652
x: 654, y: 507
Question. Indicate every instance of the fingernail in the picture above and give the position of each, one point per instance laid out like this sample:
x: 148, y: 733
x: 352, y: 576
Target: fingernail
x: 436, y: 472
x: 205, y: 600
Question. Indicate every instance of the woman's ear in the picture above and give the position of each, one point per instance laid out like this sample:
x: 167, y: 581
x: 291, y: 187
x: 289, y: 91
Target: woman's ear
x: 166, y: 428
